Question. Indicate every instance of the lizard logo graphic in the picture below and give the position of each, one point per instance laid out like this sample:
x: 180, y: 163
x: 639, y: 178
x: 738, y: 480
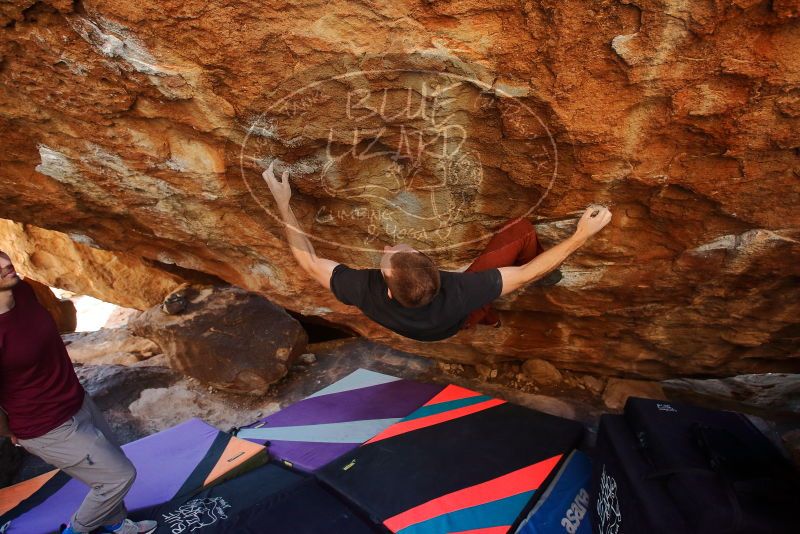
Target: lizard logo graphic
x: 197, y: 514
x: 609, y: 517
x: 397, y: 154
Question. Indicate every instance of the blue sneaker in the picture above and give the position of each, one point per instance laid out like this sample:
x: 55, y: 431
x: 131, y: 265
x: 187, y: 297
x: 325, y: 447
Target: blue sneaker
x: 130, y: 527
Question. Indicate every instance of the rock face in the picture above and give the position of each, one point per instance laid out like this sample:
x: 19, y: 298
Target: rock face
x: 141, y: 128
x: 63, y: 311
x: 73, y: 263
x: 186, y: 402
x: 117, y: 346
x: 116, y: 386
x: 618, y: 390
x: 541, y: 372
x: 776, y: 395
x: 228, y: 338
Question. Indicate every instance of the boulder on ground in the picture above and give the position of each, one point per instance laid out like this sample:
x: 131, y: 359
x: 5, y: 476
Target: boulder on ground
x: 185, y: 402
x: 116, y: 386
x: 226, y: 337
x: 114, y: 346
x: 619, y: 389
x: 593, y: 384
x: 486, y: 372
x: 121, y: 317
x: 770, y: 394
x: 308, y: 358
x: 541, y: 372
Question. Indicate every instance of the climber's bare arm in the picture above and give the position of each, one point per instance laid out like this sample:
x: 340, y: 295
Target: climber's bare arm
x: 318, y: 268
x: 592, y: 221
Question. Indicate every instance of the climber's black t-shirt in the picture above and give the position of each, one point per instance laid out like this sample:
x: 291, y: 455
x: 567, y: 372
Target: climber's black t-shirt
x: 460, y: 293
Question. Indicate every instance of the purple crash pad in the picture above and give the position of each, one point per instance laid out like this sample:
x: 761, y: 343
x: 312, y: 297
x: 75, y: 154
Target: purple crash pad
x: 168, y: 464
x: 310, y: 433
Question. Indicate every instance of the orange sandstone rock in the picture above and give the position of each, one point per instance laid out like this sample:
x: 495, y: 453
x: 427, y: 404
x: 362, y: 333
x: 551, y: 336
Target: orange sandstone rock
x: 144, y: 127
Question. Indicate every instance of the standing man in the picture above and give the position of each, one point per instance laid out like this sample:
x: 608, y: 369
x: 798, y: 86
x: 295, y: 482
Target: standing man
x: 412, y: 297
x: 44, y: 409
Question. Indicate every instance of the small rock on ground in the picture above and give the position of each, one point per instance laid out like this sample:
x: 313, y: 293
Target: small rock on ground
x: 618, y: 390
x: 542, y: 372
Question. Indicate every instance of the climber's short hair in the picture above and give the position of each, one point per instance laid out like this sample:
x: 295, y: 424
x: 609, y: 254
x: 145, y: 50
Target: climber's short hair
x: 414, y: 279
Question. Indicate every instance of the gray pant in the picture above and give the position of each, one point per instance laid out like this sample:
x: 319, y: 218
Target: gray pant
x: 85, y: 449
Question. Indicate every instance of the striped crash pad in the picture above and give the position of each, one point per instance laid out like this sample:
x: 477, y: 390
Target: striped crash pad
x: 175, y: 462
x: 335, y: 420
x: 464, y: 462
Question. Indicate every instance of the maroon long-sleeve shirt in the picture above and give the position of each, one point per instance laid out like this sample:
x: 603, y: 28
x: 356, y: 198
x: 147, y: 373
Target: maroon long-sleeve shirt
x: 38, y: 386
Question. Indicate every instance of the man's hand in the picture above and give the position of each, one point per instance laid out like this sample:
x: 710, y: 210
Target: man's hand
x: 592, y: 221
x: 320, y: 269
x: 281, y: 190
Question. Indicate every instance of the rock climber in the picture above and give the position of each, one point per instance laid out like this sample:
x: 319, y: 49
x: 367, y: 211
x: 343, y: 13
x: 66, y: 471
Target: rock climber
x: 409, y: 295
x: 45, y: 410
